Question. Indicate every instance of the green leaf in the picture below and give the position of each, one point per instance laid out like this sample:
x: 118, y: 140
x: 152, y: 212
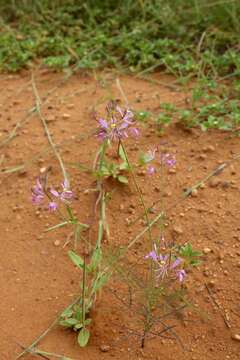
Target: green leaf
x: 67, y: 312
x: 78, y: 326
x: 78, y: 314
x: 124, y: 166
x: 87, y: 321
x: 69, y: 322
x: 76, y: 259
x: 122, y: 179
x: 83, y: 337
x: 96, y: 259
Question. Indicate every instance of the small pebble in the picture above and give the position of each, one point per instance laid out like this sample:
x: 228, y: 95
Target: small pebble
x: 202, y: 156
x: 236, y: 337
x: 209, y: 148
x: 178, y: 230
x: 207, y: 250
x: 65, y: 116
x: 50, y: 118
x: 56, y: 243
x: 214, y: 182
x: 104, y: 348
x: 194, y: 193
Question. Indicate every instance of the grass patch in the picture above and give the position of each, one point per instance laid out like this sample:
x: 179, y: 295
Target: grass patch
x: 191, y: 39
x: 184, y: 37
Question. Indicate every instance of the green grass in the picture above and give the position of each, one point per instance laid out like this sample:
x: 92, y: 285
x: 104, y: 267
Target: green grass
x: 191, y: 39
x: 184, y: 37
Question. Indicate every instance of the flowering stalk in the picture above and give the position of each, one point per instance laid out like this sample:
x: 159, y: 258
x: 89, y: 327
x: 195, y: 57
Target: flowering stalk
x: 142, y: 203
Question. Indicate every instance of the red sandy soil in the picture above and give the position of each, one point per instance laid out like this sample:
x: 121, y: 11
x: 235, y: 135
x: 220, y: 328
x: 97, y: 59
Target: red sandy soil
x: 37, y: 278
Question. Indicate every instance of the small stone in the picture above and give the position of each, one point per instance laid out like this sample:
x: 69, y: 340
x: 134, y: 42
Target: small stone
x: 50, y: 118
x: 104, y: 348
x: 214, y: 182
x: 172, y: 171
x: 65, y: 116
x: 128, y: 221
x: 131, y: 211
x: 206, y: 250
x: 202, y: 156
x: 121, y: 207
x: 236, y: 337
x: 194, y: 193
x: 43, y: 169
x: 177, y: 230
x: 57, y: 243
x: 209, y: 148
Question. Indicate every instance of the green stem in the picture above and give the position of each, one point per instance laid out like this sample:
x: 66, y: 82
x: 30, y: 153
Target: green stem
x: 138, y: 190
x: 143, y: 205
x: 83, y: 292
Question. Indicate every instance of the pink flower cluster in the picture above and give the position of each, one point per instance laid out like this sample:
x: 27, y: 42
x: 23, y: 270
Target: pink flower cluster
x: 118, y: 125
x: 39, y: 194
x: 166, y: 266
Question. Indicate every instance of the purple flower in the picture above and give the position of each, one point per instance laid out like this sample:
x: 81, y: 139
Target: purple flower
x: 181, y: 274
x: 52, y: 206
x: 134, y: 132
x: 176, y: 263
x: 152, y: 255
x: 118, y: 125
x: 66, y: 195
x: 163, y: 266
x: 37, y: 193
x: 168, y: 159
x: 150, y: 170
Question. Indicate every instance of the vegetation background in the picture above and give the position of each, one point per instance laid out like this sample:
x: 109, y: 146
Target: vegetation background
x: 184, y: 37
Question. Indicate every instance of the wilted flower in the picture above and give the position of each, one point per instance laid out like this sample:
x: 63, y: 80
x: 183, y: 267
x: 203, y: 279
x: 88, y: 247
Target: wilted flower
x: 118, y: 125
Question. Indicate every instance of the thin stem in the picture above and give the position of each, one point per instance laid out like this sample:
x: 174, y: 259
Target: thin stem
x: 143, y: 205
x: 83, y: 292
x: 38, y: 110
x: 138, y: 190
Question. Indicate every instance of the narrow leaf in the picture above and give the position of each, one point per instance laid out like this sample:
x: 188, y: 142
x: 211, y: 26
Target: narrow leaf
x: 76, y: 259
